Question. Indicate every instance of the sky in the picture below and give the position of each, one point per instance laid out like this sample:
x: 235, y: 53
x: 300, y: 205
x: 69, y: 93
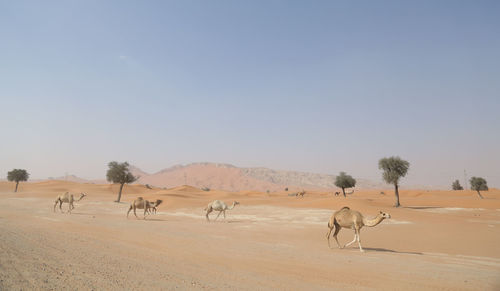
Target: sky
x: 314, y: 86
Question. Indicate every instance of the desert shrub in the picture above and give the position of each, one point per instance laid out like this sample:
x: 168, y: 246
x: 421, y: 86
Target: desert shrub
x: 17, y: 175
x: 344, y: 181
x: 119, y: 173
x: 478, y: 184
x: 394, y: 169
x: 456, y: 185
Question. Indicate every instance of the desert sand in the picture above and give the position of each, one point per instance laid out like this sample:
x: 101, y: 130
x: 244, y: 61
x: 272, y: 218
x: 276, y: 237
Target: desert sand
x: 438, y: 240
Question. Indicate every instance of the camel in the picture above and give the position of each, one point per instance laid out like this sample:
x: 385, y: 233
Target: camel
x: 67, y: 198
x: 347, y: 218
x: 301, y: 193
x: 141, y: 203
x: 220, y: 206
x: 153, y: 205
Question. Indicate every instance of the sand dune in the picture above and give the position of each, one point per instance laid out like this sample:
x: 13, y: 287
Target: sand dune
x: 437, y: 240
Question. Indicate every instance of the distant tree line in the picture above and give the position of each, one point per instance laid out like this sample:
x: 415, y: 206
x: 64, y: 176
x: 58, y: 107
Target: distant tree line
x: 393, y: 169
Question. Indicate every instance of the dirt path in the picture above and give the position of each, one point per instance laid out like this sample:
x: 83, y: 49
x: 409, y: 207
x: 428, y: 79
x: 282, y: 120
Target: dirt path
x: 259, y: 247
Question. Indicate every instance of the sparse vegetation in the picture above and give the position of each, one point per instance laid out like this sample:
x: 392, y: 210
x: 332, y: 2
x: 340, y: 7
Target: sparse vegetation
x: 286, y: 189
x: 17, y: 175
x: 205, y: 189
x: 119, y: 173
x: 456, y: 185
x: 394, y: 169
x: 344, y: 181
x: 148, y: 186
x: 478, y: 184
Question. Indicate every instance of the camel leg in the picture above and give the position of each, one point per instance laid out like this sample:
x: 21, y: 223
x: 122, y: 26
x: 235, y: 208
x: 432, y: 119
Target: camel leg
x: 135, y: 213
x: 359, y: 241
x: 355, y: 238
x: 328, y: 234
x: 60, y: 206
x: 224, y: 212
x: 218, y: 215
x: 209, y: 210
x: 130, y: 208
x: 337, y: 230
x: 145, y: 211
x: 55, y: 204
x: 70, y: 207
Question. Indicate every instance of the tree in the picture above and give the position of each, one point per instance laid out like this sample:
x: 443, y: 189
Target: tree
x: 478, y: 184
x: 344, y: 181
x: 394, y: 169
x: 456, y: 185
x: 17, y: 175
x: 119, y: 173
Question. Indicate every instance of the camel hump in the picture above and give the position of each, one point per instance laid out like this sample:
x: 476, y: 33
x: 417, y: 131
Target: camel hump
x: 140, y: 198
x: 345, y: 207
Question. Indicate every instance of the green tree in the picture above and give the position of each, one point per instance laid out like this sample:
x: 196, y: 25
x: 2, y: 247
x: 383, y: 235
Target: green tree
x: 456, y: 185
x: 119, y: 173
x: 478, y: 184
x: 394, y: 169
x: 344, y: 181
x: 17, y: 175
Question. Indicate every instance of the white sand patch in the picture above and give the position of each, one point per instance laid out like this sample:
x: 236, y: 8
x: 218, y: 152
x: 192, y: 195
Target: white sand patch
x: 394, y: 221
x: 272, y: 215
x: 100, y: 203
x: 27, y: 199
x: 47, y: 218
x: 484, y: 221
x: 184, y: 214
x: 449, y: 209
x: 471, y: 260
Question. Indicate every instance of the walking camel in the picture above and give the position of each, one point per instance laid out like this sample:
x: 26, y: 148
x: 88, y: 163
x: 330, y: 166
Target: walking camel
x: 141, y: 203
x: 67, y: 198
x: 347, y: 218
x: 220, y: 206
x: 153, y: 205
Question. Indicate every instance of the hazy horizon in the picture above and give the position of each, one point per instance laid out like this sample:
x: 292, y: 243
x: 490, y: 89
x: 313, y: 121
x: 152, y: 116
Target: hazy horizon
x: 317, y: 87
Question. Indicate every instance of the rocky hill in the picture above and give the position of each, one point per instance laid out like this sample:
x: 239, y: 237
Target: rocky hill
x: 231, y: 178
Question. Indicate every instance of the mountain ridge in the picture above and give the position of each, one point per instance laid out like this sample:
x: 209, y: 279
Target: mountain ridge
x: 232, y: 178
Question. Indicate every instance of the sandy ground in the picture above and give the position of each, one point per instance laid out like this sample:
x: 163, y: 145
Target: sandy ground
x: 438, y: 240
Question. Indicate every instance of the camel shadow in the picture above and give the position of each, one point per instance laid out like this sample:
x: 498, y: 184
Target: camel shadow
x: 391, y: 251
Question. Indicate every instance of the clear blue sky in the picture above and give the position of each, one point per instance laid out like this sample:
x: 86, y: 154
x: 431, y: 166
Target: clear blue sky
x: 319, y: 86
